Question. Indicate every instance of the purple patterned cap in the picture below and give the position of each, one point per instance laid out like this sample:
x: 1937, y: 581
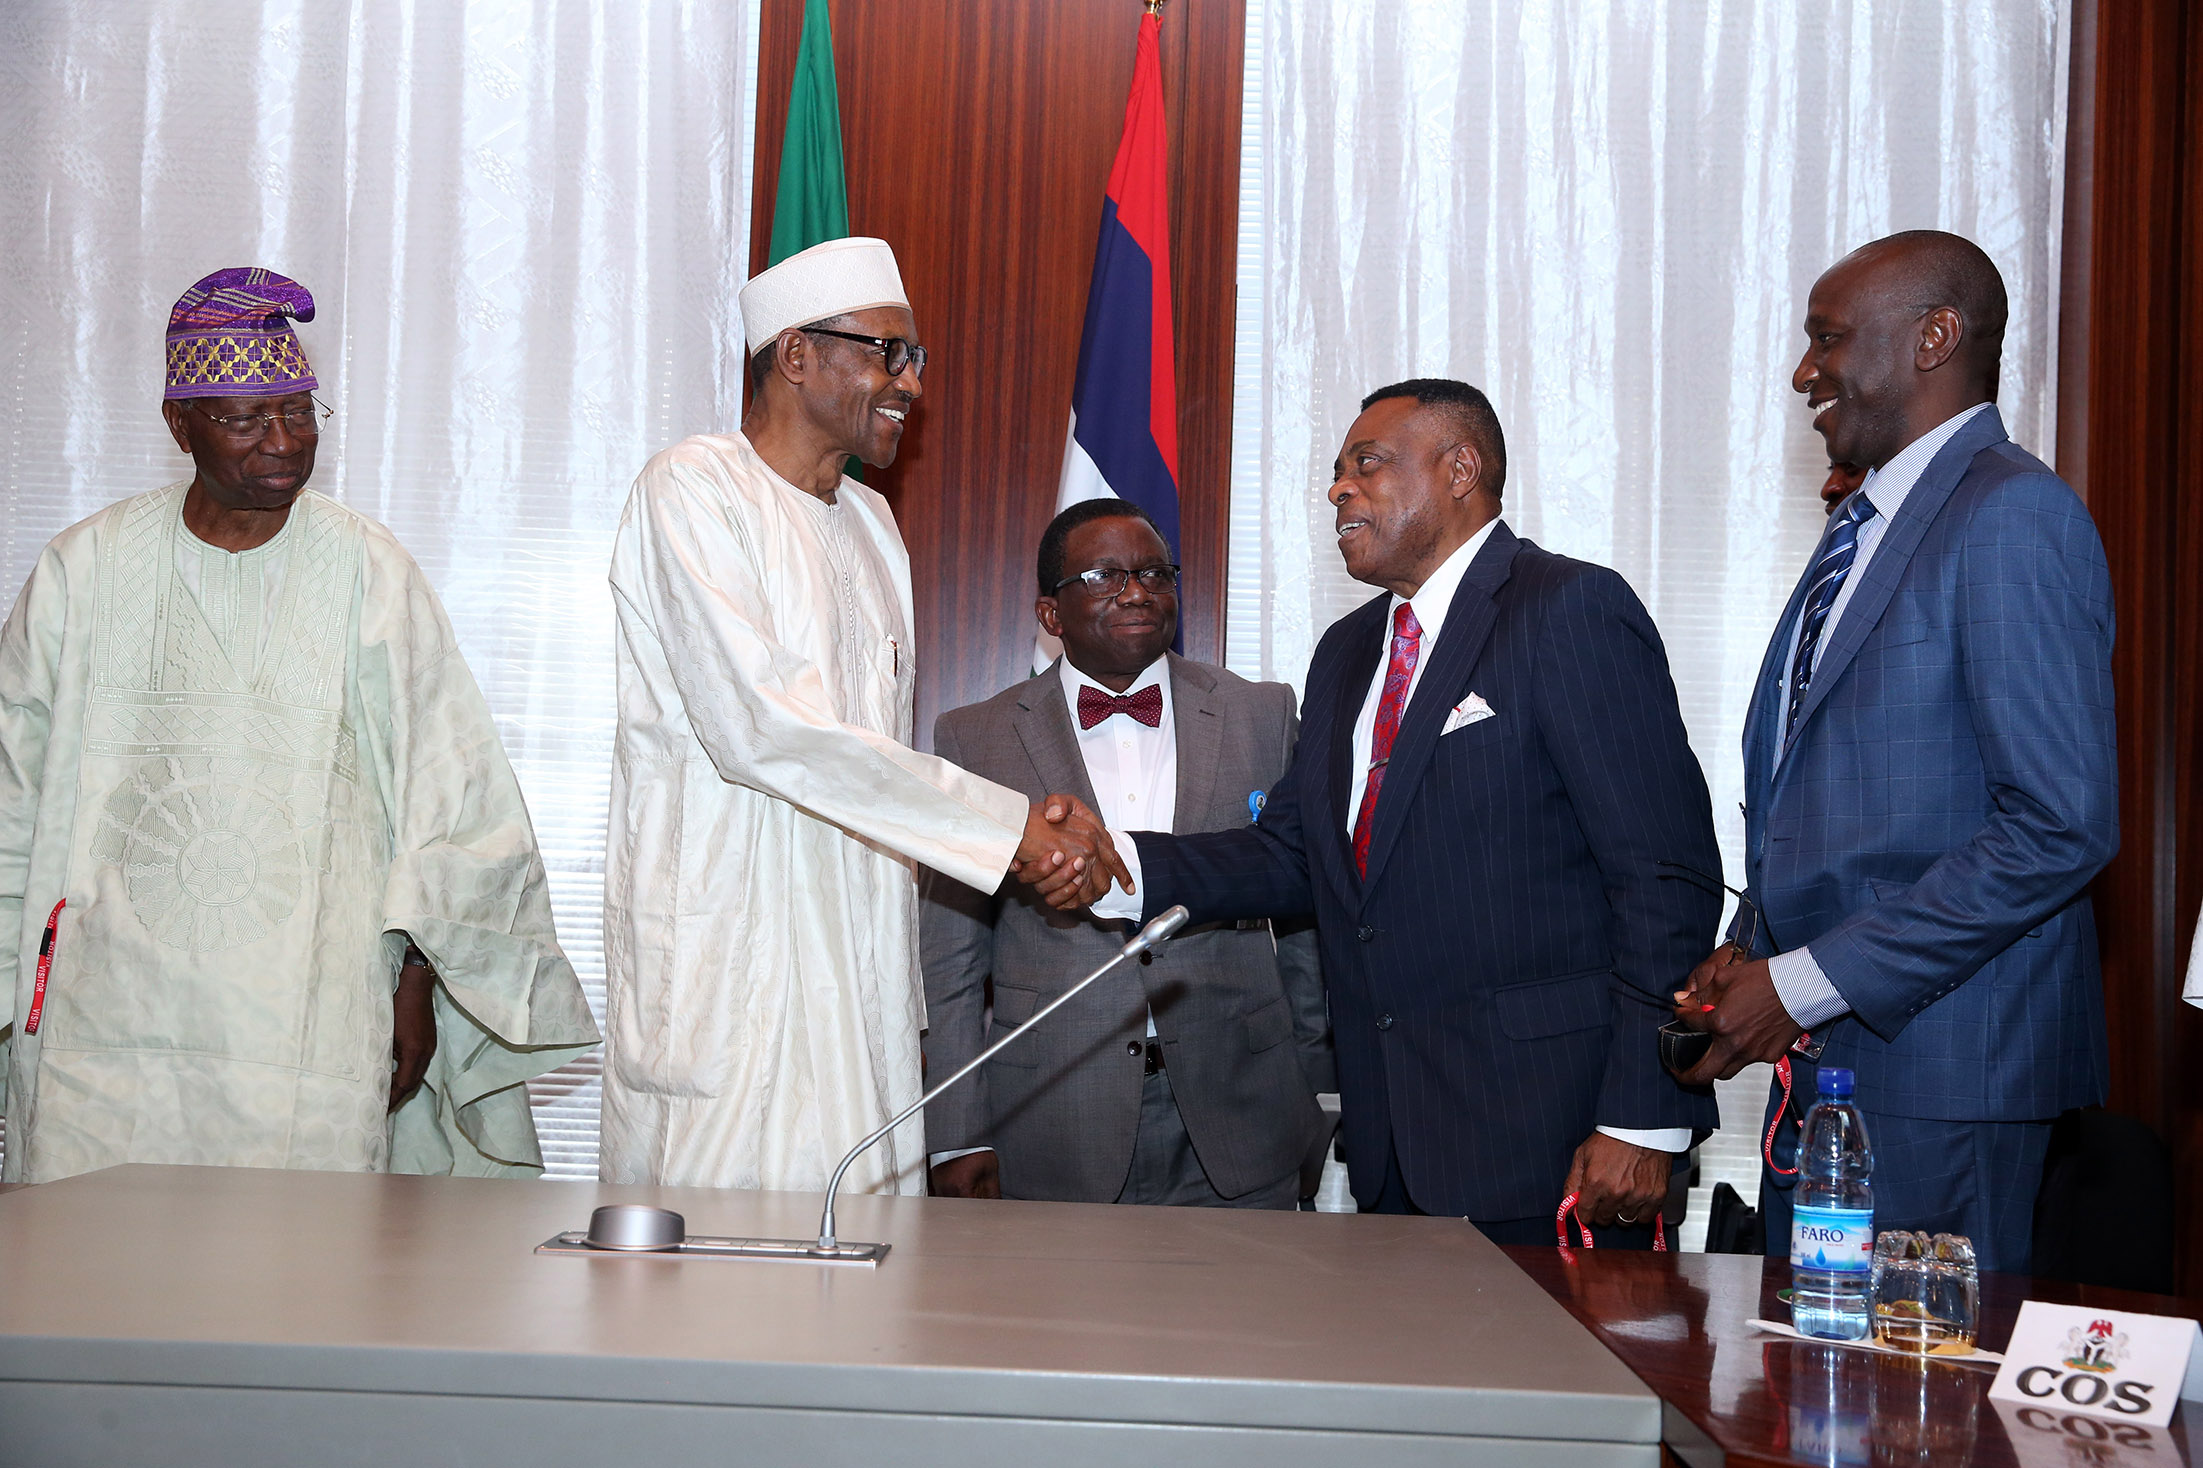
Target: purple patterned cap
x: 230, y: 336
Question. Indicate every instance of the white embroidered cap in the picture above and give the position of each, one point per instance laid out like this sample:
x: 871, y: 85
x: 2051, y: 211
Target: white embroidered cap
x: 829, y: 279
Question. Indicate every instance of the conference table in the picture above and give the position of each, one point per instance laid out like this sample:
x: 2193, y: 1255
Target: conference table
x: 174, y: 1315
x: 1736, y: 1396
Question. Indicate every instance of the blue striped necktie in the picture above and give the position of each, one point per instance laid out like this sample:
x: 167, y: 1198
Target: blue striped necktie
x: 1828, y: 579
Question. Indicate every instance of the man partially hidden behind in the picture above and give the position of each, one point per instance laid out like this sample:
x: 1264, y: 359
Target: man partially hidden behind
x: 1495, y: 817
x: 257, y: 832
x: 1930, y: 771
x: 768, y: 812
x: 1192, y: 1078
x: 1842, y: 479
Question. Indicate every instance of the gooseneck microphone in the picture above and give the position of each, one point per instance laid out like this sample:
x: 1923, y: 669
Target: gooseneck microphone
x: 1148, y: 937
x: 639, y: 1229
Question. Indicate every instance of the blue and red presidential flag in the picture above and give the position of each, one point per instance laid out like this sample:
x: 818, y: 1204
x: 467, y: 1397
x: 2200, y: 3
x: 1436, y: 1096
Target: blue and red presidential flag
x: 1124, y: 404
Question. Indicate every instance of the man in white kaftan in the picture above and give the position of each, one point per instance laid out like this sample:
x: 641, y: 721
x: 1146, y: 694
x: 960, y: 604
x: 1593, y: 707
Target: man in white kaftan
x: 243, y: 794
x: 767, y: 810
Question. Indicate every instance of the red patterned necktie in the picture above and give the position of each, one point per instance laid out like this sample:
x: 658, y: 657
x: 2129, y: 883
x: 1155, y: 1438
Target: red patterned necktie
x: 1146, y: 705
x: 1407, y: 644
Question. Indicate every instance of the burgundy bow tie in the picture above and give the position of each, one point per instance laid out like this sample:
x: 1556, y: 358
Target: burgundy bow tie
x: 1146, y: 705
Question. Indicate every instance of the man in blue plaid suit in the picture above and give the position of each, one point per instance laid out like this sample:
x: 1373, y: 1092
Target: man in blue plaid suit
x: 1930, y: 772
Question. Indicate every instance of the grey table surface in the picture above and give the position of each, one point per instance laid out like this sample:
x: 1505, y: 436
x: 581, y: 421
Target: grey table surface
x: 428, y: 1289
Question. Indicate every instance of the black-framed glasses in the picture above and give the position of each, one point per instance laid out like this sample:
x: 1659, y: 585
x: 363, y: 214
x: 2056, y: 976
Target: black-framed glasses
x: 252, y: 427
x: 899, y: 351
x: 1107, y: 583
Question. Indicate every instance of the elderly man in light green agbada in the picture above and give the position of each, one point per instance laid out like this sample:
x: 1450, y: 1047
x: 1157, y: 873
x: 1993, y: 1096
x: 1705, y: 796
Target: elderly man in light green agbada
x: 268, y: 892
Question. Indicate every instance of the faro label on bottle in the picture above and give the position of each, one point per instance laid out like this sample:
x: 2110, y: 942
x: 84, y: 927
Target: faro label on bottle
x: 1838, y: 1240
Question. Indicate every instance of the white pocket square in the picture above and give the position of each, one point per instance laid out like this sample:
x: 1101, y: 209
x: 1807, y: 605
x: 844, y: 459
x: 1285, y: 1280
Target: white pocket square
x: 1468, y: 711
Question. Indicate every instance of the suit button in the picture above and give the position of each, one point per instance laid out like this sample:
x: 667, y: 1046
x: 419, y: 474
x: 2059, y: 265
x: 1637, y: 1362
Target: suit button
x: 1132, y: 1047
x: 1365, y: 933
x: 1384, y: 1021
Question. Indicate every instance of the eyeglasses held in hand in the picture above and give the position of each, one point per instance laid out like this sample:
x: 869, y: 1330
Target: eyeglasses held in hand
x: 1742, y: 948
x: 1748, y: 924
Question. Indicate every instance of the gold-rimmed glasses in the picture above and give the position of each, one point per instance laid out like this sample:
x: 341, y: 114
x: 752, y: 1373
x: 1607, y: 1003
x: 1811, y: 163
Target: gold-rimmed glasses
x: 303, y: 422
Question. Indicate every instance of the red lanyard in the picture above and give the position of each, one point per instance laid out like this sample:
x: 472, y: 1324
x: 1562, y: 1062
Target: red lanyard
x: 45, y: 968
x: 1568, y: 1209
x: 1801, y: 1045
x: 1767, y: 1144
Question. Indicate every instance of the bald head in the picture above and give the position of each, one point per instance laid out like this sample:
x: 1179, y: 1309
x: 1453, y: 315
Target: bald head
x: 1901, y: 335
x: 1919, y: 270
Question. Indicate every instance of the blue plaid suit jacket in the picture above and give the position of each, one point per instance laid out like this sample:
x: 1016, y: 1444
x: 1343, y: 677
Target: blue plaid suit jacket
x: 1951, y: 788
x: 1497, y: 980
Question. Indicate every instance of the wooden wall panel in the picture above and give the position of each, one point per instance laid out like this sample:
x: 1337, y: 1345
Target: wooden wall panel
x: 978, y: 136
x: 2180, y: 873
x: 2137, y: 455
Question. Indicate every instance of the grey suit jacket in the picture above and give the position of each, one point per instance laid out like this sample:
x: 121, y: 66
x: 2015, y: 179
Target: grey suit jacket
x: 1240, y: 1014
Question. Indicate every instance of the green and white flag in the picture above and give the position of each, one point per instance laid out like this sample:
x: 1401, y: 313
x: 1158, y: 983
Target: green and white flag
x: 811, y: 201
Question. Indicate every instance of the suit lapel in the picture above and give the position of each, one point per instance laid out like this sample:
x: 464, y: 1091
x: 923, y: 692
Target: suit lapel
x: 1043, y: 724
x: 1891, y: 557
x: 1364, y: 649
x: 1763, y: 713
x: 1469, y: 624
x: 1199, y: 726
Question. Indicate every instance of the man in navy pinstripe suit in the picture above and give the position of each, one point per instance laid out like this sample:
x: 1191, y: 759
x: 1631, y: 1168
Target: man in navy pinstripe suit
x: 1930, y: 770
x: 1491, y: 772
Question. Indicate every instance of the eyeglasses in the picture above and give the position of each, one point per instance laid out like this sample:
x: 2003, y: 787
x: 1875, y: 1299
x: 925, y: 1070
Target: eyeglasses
x: 252, y: 427
x: 900, y: 353
x: 1745, y: 944
x: 1106, y: 583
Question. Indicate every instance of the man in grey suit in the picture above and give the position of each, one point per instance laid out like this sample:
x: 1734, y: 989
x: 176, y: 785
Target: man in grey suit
x: 1191, y: 1078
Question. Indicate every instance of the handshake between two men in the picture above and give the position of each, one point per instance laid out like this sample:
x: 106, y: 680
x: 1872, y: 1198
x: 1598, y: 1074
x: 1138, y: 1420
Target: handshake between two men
x: 1066, y: 855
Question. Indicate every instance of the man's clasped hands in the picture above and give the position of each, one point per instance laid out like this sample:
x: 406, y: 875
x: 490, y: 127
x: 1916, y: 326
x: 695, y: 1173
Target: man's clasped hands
x: 1066, y: 855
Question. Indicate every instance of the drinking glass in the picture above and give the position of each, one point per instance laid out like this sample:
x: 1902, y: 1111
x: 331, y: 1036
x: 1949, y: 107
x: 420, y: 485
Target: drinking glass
x: 1925, y: 1292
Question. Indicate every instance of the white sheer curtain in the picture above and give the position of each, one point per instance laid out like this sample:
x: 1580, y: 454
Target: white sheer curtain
x: 1607, y: 213
x: 524, y: 223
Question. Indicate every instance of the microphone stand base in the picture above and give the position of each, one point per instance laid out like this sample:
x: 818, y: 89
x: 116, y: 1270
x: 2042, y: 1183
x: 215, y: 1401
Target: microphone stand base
x: 706, y: 1246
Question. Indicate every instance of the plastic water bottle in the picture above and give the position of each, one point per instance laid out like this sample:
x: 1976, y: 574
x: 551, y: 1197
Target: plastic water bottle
x: 1832, y: 1218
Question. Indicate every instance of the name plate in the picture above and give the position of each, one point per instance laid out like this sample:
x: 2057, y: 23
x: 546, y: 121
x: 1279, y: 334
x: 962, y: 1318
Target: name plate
x: 2101, y: 1363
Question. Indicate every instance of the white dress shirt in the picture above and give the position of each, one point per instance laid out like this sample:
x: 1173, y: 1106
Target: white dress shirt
x: 1134, y: 772
x: 1133, y: 769
x: 1799, y: 983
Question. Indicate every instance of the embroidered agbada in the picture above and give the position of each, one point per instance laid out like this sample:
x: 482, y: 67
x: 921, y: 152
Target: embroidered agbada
x: 246, y: 776
x: 760, y: 918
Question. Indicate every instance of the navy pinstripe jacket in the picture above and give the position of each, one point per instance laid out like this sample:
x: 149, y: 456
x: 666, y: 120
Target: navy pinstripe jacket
x: 1951, y: 789
x: 1497, y: 980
